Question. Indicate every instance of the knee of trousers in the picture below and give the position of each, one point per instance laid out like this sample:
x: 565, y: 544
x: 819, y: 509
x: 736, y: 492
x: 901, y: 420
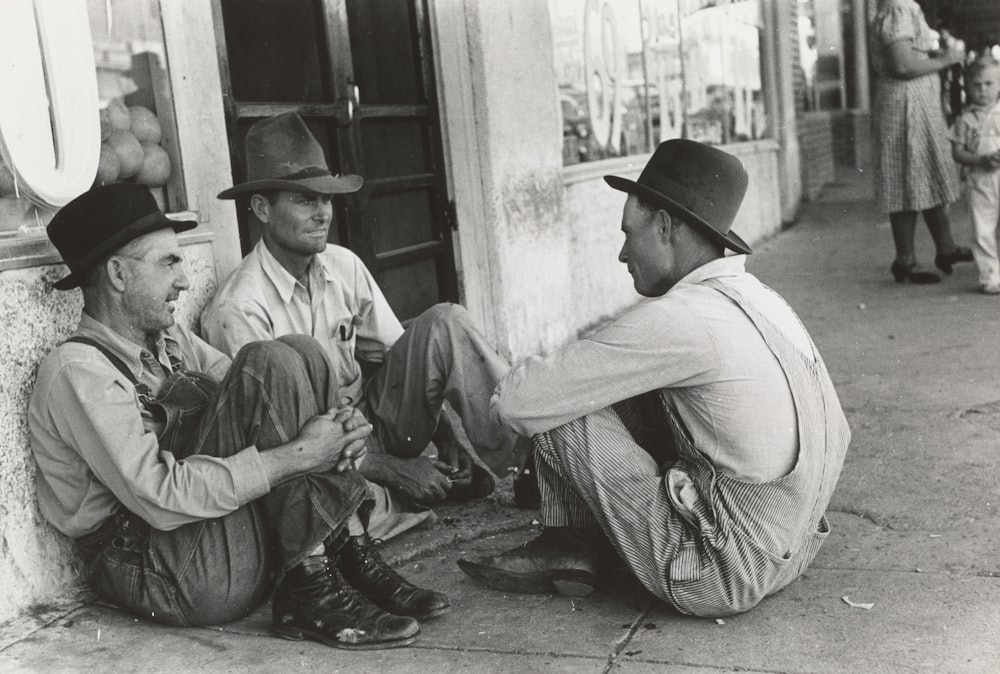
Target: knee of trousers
x: 275, y: 353
x: 443, y: 315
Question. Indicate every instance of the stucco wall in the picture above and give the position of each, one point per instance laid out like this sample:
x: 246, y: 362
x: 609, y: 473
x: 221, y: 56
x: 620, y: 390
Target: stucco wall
x: 37, y: 564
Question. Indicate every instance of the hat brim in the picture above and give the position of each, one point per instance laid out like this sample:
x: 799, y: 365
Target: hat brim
x: 730, y: 240
x: 343, y: 184
x: 151, y: 223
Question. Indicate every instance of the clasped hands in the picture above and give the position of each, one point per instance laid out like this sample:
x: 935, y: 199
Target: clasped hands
x: 336, y: 438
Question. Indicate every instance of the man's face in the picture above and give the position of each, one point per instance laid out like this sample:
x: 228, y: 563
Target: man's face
x: 297, y: 223
x: 984, y: 88
x: 647, y: 250
x: 154, y: 279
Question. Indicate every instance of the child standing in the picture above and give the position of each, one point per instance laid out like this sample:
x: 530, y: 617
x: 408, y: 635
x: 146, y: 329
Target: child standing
x: 975, y: 143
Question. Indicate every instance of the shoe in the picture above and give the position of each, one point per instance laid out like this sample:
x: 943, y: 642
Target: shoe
x: 944, y: 261
x: 565, y: 560
x: 365, y: 570
x: 314, y: 601
x: 990, y: 288
x: 480, y: 486
x: 910, y: 272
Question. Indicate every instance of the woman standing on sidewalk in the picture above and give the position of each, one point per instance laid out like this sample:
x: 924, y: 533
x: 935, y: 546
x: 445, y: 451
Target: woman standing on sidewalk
x: 914, y: 171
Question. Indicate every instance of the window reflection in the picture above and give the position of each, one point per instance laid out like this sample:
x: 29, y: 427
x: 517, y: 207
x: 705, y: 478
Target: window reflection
x: 633, y: 73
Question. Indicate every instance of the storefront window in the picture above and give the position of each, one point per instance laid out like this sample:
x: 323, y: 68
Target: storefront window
x: 633, y: 73
x: 100, y: 116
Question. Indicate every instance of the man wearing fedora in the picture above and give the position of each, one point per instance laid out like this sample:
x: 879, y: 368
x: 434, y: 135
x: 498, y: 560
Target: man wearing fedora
x: 294, y: 282
x: 195, y: 487
x: 698, y: 436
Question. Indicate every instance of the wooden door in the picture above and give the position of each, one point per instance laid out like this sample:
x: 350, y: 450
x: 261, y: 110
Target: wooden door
x: 360, y: 73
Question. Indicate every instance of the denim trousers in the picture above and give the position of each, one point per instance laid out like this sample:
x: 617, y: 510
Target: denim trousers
x: 220, y: 570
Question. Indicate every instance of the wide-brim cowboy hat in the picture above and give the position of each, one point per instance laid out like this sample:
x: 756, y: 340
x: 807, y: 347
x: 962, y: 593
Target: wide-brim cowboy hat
x: 282, y: 154
x: 102, y: 220
x: 701, y: 184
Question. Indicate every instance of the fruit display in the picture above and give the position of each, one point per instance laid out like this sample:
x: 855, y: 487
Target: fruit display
x: 130, y: 146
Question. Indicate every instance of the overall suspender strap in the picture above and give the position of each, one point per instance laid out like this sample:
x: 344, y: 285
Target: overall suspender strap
x: 115, y: 360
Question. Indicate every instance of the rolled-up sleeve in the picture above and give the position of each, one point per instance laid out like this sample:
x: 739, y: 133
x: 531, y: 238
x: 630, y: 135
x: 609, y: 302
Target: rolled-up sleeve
x: 231, y: 325
x: 97, y: 415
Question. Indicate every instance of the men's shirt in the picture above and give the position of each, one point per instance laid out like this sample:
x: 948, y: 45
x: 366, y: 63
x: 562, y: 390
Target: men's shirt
x: 700, y: 350
x: 346, y: 311
x: 96, y: 447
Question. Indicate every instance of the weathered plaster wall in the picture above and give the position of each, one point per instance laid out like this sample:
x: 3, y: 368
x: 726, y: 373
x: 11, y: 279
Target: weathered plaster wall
x: 37, y: 564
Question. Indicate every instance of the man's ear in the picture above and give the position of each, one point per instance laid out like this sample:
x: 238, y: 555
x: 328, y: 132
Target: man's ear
x: 664, y: 224
x: 260, y: 207
x: 114, y: 267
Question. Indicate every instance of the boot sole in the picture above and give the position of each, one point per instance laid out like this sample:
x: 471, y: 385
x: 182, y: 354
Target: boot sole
x: 300, y: 634
x: 566, y: 582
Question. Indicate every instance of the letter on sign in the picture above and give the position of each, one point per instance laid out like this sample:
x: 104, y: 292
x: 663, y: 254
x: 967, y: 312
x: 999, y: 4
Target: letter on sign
x: 49, y: 127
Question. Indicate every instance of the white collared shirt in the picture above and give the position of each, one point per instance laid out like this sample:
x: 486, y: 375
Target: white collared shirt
x: 700, y: 350
x: 346, y: 311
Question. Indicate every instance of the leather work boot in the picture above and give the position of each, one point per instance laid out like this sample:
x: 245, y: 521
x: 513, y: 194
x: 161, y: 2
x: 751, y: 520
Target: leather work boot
x: 365, y: 570
x: 566, y: 560
x: 314, y: 601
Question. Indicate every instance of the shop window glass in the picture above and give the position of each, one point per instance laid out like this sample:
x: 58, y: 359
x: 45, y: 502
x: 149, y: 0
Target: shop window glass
x: 122, y: 129
x: 633, y: 73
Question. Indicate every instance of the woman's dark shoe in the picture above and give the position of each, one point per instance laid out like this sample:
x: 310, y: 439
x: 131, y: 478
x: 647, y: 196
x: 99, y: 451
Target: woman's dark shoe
x: 314, y: 601
x: 365, y: 570
x: 910, y: 272
x: 944, y: 261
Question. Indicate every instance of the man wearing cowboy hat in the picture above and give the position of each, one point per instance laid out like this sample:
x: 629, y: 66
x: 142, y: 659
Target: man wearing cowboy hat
x: 698, y: 436
x: 293, y: 281
x: 195, y: 486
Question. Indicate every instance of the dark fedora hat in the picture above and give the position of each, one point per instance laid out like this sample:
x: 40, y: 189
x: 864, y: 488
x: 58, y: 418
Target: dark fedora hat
x: 699, y: 183
x: 102, y: 220
x: 283, y: 155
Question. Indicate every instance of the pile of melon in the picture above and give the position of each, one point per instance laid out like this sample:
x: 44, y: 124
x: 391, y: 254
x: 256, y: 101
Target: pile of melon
x: 130, y: 146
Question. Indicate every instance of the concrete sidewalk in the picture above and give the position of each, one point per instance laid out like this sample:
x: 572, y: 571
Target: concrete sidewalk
x: 914, y: 518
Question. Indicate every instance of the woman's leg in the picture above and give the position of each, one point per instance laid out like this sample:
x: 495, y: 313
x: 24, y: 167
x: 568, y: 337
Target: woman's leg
x: 904, y: 227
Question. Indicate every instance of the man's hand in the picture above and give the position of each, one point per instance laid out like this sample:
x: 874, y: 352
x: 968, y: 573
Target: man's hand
x: 419, y: 479
x: 325, y: 439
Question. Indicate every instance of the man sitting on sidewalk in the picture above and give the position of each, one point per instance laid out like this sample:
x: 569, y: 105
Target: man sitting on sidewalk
x: 699, y: 433
x: 294, y: 282
x: 192, y: 498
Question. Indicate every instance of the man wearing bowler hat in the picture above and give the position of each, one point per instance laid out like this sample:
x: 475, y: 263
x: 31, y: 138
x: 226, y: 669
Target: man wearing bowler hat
x: 195, y: 487
x: 698, y: 436
x: 294, y: 282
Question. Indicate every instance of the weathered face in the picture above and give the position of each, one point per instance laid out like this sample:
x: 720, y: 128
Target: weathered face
x: 647, y: 250
x: 984, y: 87
x: 297, y: 223
x: 154, y: 278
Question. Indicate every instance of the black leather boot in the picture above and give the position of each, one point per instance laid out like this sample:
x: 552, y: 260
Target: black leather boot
x: 314, y: 601
x: 364, y: 569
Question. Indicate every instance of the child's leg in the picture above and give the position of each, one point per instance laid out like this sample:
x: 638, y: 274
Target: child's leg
x: 984, y: 206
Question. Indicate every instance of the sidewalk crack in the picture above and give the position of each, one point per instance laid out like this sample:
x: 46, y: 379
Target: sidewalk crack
x: 619, y: 646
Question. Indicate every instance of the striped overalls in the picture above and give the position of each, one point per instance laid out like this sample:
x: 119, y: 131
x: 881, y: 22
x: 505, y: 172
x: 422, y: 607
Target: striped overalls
x: 707, y: 543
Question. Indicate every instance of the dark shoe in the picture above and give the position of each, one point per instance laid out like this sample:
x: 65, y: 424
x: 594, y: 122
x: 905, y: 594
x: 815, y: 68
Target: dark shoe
x: 910, y: 272
x: 365, y: 570
x: 565, y: 560
x: 480, y: 486
x: 944, y: 261
x: 314, y: 601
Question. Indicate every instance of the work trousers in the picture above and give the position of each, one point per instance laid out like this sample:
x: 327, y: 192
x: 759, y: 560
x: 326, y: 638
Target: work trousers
x: 219, y: 570
x: 441, y: 356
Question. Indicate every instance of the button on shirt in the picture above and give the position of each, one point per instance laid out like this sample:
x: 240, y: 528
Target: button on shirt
x: 700, y: 350
x: 96, y: 447
x: 346, y: 311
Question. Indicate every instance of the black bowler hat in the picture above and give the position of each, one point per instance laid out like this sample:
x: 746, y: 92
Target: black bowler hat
x: 700, y: 183
x: 283, y: 155
x: 102, y: 220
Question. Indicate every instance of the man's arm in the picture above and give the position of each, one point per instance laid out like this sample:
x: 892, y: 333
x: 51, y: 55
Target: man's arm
x: 230, y: 326
x: 656, y: 344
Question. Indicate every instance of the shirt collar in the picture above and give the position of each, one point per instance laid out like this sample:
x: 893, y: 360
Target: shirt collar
x: 284, y: 282
x: 730, y: 265
x: 129, y: 352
